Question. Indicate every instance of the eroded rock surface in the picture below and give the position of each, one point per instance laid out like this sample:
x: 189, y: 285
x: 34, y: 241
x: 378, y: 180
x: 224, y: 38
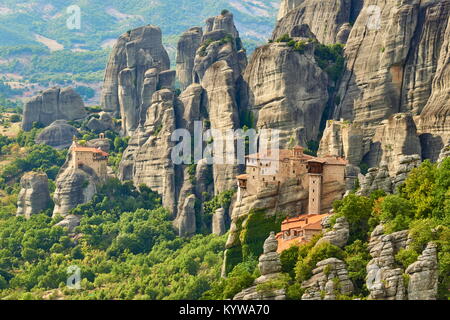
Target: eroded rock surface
x: 34, y: 195
x: 423, y: 281
x: 53, y: 104
x: 58, y: 135
x: 329, y: 278
x: 270, y: 268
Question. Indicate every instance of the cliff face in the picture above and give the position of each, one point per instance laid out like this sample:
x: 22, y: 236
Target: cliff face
x: 132, y: 75
x: 53, y: 104
x: 187, y: 47
x: 396, y: 61
x: 328, y: 20
x: 286, y: 90
x: 34, y: 195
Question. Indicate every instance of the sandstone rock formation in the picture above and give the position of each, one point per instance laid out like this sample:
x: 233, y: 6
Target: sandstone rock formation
x: 270, y: 268
x: 379, y: 178
x: 338, y: 235
x: 218, y: 222
x: 148, y: 156
x: 445, y: 153
x: 325, y: 18
x: 187, y: 47
x: 395, y: 138
x: 330, y: 278
x: 74, y: 186
x: 70, y: 222
x: 58, y: 135
x: 344, y: 139
x: 395, y: 52
x: 423, y: 282
x: 103, y: 123
x: 53, y: 104
x: 384, y: 280
x: 286, y: 91
x: 132, y: 73
x: 34, y: 196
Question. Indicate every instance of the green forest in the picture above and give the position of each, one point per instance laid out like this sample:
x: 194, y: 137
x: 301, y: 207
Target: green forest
x: 129, y: 249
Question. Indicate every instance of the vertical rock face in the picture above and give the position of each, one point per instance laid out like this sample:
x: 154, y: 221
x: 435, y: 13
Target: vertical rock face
x: 148, y: 157
x: 34, y: 195
x: 187, y: 47
x: 185, y: 222
x: 445, y: 152
x: 53, y: 104
x: 73, y: 187
x: 423, y: 282
x: 380, y: 179
x: 270, y: 268
x: 377, y: 51
x: 434, y: 123
x: 326, y: 19
x: 125, y: 85
x: 384, y: 280
x: 397, y: 61
x: 286, y: 91
x: 394, y: 138
x: 329, y: 277
x: 218, y: 222
x: 223, y: 22
x: 286, y: 6
x: 343, y: 139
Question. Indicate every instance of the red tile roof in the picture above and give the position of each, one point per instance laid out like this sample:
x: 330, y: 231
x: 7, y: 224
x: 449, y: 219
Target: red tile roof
x: 92, y: 150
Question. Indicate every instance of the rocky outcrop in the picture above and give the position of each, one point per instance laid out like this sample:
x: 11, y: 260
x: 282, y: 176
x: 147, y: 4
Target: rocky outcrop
x: 395, y: 52
x: 70, y: 222
x: 384, y: 279
x: 185, y: 222
x: 270, y: 268
x: 379, y: 178
x: 218, y: 222
x: 313, y: 13
x: 434, y: 123
x: 330, y: 279
x: 338, y: 235
x: 406, y: 165
x: 423, y: 275
x: 74, y: 186
x: 103, y: 123
x: 53, y: 104
x: 445, y: 153
x: 99, y: 143
x: 132, y: 73
x: 58, y: 135
x: 287, y: 91
x: 148, y: 156
x: 286, y: 6
x: 187, y: 47
x: 344, y: 139
x: 34, y: 195
x: 395, y: 138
